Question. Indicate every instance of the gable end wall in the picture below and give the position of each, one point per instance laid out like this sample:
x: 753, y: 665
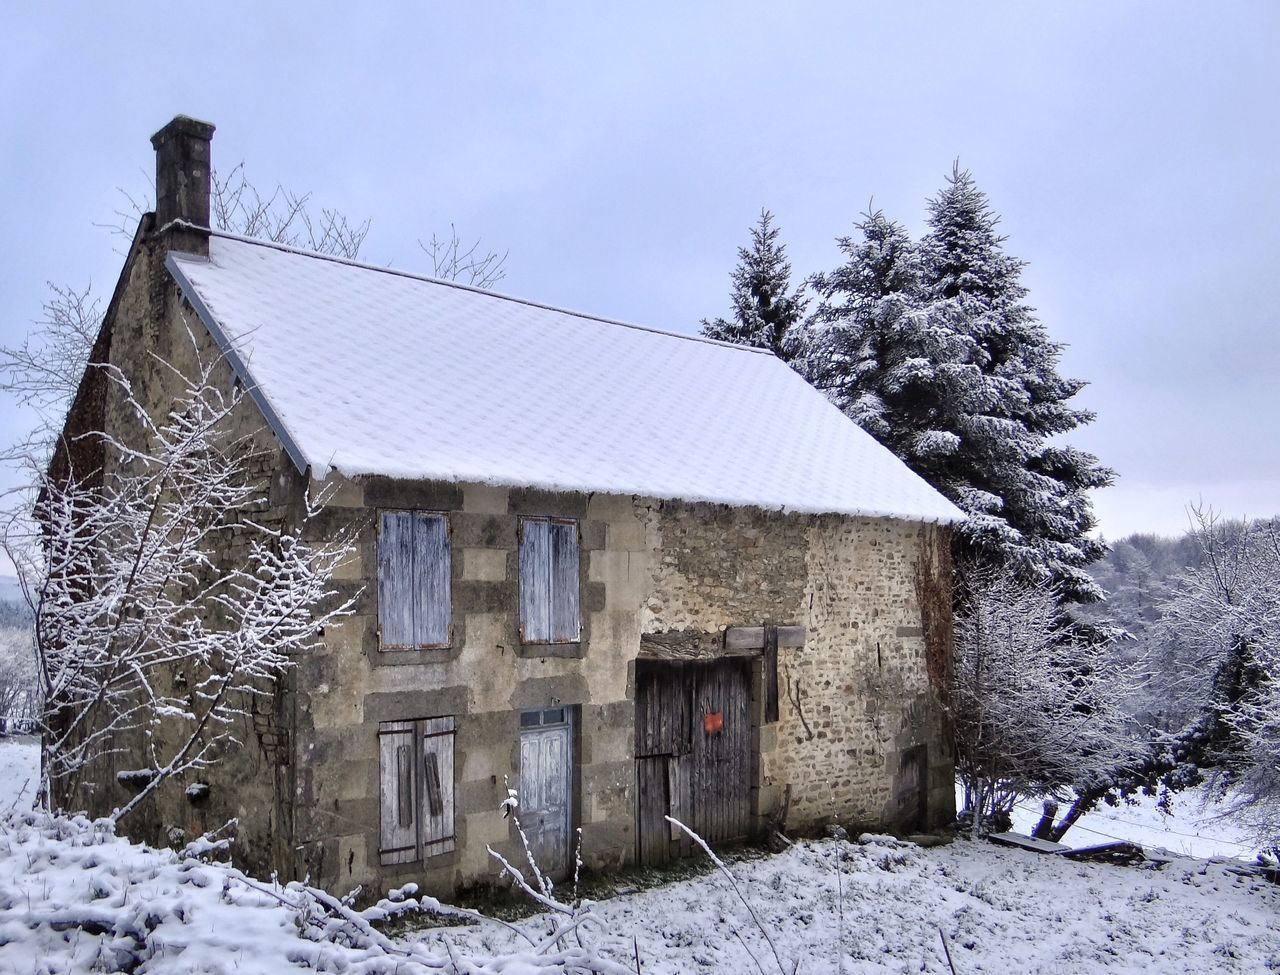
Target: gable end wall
x: 148, y: 322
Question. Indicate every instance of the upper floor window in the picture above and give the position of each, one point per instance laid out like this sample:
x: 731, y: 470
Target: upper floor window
x: 415, y: 574
x: 549, y: 603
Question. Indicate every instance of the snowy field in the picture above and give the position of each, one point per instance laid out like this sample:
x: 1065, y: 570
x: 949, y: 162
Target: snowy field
x: 73, y: 899
x: 1195, y: 829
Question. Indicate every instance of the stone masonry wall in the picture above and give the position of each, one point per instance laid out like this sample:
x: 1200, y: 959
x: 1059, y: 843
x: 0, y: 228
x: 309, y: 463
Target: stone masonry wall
x: 855, y: 698
x: 484, y: 680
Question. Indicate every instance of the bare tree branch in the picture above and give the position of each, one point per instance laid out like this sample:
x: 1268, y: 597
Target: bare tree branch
x: 1035, y: 706
x: 454, y: 260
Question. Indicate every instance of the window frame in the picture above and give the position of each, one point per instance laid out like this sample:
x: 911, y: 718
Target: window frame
x: 530, y: 560
x: 415, y: 585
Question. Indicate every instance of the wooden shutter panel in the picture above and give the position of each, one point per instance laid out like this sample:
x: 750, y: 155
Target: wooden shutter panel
x: 535, y: 581
x: 399, y: 834
x: 395, y: 580
x: 404, y: 784
x: 437, y: 792
x: 566, y: 620
x: 432, y: 555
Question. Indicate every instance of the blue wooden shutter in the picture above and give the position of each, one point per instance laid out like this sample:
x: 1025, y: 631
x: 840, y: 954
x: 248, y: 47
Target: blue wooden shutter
x: 535, y: 581
x: 395, y: 580
x: 432, y: 558
x: 566, y: 619
x: 398, y: 842
x: 437, y: 786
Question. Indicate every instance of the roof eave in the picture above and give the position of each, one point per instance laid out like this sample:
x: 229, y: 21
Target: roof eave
x: 235, y: 360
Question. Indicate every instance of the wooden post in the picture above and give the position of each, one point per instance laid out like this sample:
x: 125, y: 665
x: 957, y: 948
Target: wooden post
x: 770, y: 673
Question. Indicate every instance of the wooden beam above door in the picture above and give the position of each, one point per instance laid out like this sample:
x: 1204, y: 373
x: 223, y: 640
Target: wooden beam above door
x: 752, y: 637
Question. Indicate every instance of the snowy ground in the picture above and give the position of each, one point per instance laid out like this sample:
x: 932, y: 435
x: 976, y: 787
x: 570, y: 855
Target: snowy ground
x: 19, y: 771
x: 74, y: 899
x: 1002, y: 911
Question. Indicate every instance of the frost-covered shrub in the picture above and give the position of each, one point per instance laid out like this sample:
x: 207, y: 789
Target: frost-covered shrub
x: 150, y: 640
x: 1224, y: 614
x: 1035, y: 707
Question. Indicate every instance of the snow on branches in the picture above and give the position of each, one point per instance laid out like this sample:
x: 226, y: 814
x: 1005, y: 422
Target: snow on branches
x: 1223, y: 619
x: 767, y: 312
x: 93, y: 902
x: 931, y: 347
x: 167, y: 593
x: 1036, y: 708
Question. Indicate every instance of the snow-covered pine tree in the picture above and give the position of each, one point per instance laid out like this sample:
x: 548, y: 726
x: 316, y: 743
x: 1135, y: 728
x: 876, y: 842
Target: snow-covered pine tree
x: 766, y: 311
x: 904, y: 375
x: 1026, y: 495
x: 933, y: 350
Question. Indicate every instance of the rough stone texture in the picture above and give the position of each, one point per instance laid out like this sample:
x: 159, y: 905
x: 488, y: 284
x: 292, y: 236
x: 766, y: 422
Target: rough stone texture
x: 856, y: 696
x: 304, y: 782
x: 718, y: 567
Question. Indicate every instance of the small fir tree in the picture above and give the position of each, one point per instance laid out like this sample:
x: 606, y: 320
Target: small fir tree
x: 766, y: 311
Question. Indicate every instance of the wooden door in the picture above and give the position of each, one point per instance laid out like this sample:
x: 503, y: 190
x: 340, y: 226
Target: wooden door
x: 721, y: 767
x: 693, y: 754
x: 912, y: 790
x: 662, y: 758
x: 546, y: 770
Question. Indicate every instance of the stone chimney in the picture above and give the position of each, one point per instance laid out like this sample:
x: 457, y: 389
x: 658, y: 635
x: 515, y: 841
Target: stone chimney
x: 183, y: 182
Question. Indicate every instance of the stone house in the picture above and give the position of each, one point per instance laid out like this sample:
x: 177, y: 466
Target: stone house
x: 624, y: 572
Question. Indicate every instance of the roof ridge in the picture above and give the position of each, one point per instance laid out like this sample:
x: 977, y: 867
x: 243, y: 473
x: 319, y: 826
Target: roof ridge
x: 362, y: 265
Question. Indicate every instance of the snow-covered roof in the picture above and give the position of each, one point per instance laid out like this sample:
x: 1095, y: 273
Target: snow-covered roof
x: 367, y: 370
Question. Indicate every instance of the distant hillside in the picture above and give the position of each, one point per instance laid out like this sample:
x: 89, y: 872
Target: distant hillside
x: 1137, y: 573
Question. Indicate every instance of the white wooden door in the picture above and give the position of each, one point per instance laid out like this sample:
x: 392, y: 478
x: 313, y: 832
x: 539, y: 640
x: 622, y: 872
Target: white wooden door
x: 546, y: 775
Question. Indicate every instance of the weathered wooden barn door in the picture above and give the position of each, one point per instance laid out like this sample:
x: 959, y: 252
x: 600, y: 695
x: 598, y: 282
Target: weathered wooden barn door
x: 662, y: 751
x: 693, y: 754
x: 722, y: 750
x: 546, y: 776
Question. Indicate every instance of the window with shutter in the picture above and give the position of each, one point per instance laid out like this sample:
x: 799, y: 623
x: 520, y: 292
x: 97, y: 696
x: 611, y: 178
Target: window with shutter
x: 415, y: 610
x: 416, y: 776
x: 550, y: 610
x: 399, y: 836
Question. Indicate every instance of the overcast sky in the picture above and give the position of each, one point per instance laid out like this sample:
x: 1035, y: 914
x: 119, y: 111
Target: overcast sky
x: 1132, y: 150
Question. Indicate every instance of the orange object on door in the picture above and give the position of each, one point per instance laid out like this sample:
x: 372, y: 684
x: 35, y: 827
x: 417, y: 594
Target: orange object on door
x: 713, y: 722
